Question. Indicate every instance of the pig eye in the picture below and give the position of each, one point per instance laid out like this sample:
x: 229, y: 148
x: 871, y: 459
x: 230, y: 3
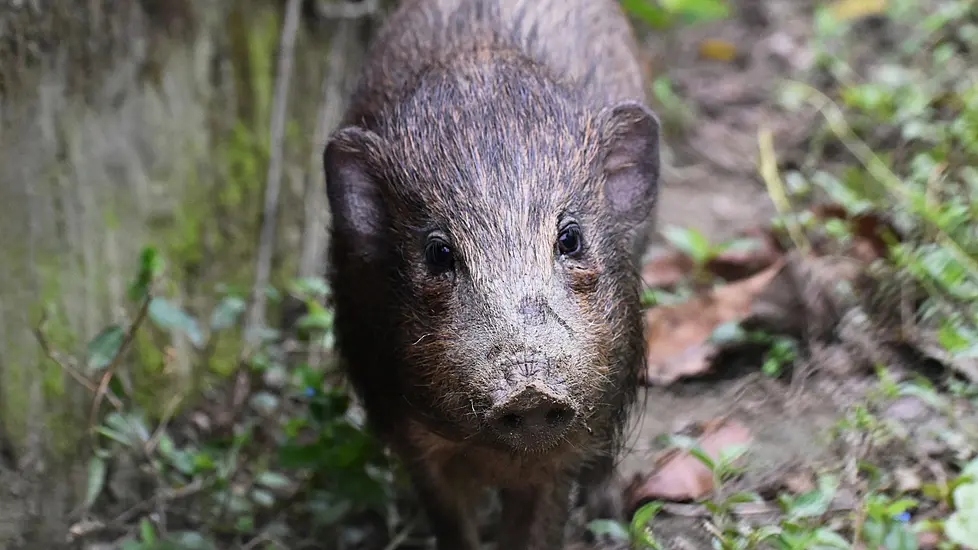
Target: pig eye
x: 569, y: 240
x: 438, y: 255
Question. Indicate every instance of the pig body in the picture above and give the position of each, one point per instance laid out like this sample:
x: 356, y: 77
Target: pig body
x: 492, y: 188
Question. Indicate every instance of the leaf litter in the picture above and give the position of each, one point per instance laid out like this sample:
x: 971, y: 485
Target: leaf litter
x: 810, y: 296
x: 763, y: 285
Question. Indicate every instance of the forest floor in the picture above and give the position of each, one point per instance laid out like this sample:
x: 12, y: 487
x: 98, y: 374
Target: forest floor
x: 855, y: 398
x: 810, y: 343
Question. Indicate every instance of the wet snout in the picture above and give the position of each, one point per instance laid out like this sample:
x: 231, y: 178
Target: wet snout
x: 531, y: 415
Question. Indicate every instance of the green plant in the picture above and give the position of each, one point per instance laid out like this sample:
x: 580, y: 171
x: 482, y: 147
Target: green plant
x: 661, y: 14
x: 322, y: 459
x: 962, y: 525
x: 637, y: 533
x: 700, y: 250
x: 885, y: 523
x: 781, y: 350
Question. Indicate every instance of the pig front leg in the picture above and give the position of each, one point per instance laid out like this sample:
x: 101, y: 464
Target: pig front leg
x: 447, y: 505
x: 535, y: 517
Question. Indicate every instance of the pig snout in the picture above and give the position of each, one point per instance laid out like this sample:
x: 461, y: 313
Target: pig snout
x: 533, y: 410
x: 531, y: 413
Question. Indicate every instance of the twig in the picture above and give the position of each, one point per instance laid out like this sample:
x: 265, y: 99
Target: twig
x: 775, y: 188
x: 166, y: 495
x: 103, y: 386
x: 66, y: 365
x: 89, y: 527
x: 266, y: 243
x: 401, y: 536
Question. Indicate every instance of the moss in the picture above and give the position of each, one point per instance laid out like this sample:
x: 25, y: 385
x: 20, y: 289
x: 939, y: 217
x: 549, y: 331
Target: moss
x: 209, y: 240
x: 62, y: 423
x: 253, y: 34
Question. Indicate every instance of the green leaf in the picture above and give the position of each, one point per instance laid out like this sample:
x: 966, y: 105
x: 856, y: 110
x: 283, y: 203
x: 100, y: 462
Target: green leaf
x: 703, y: 457
x: 831, y: 539
x: 644, y: 514
x: 900, y: 538
x: 745, y: 244
x: 731, y: 453
x: 900, y: 506
x: 294, y: 455
x: 695, y: 11
x: 273, y: 480
x: 129, y: 430
x: 608, y: 528
x: 318, y: 318
x: 147, y: 532
x: 263, y: 498
x: 170, y: 317
x: 816, y: 502
x: 690, y: 241
x: 971, y: 469
x: 103, y: 348
x: 150, y: 267
x: 649, y: 12
x: 961, y: 528
x: 728, y: 332
x: 226, y: 312
x: 310, y: 287
x: 96, y: 479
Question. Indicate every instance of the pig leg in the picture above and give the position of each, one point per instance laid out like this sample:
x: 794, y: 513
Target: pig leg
x: 447, y: 505
x: 600, y: 489
x: 535, y: 517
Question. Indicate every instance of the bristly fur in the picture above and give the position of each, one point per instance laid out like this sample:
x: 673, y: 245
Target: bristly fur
x: 494, y: 123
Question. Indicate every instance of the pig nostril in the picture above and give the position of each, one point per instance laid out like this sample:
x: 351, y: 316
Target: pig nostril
x: 511, y: 421
x: 557, y: 416
x: 531, y: 414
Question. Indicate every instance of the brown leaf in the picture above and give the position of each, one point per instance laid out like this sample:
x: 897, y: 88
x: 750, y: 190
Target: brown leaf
x: 739, y: 262
x: 755, y: 249
x: 666, y: 270
x: 869, y: 230
x: 680, y: 476
x: 678, y: 335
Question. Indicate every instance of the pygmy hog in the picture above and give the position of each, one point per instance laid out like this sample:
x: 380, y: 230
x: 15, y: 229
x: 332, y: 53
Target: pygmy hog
x: 492, y: 188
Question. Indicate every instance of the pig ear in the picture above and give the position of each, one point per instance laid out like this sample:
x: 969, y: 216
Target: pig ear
x: 630, y: 160
x: 354, y: 190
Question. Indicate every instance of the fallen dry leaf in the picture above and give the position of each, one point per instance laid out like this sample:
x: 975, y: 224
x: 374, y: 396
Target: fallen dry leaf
x: 739, y: 262
x: 680, y: 476
x: 666, y: 270
x: 869, y: 230
x: 754, y: 250
x: 678, y: 335
x: 721, y: 50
